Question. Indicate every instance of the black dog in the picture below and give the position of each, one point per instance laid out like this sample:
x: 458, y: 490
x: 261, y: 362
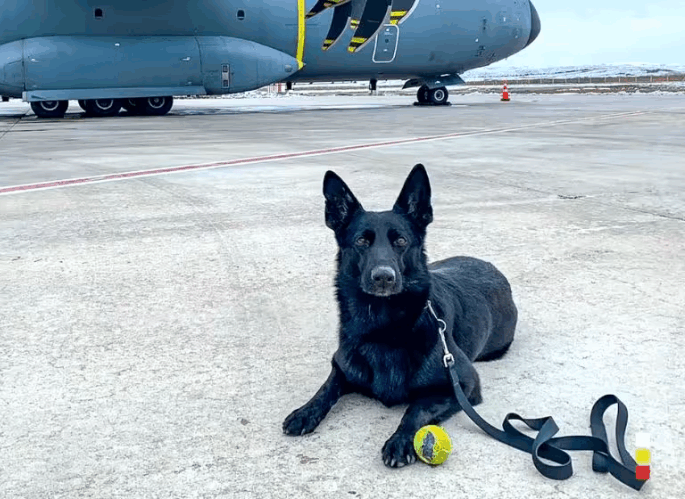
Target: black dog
x: 389, y: 347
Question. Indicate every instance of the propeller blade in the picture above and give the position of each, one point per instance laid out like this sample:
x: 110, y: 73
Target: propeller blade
x: 322, y: 5
x: 340, y: 16
x: 400, y: 9
x: 357, y: 10
x: 371, y: 19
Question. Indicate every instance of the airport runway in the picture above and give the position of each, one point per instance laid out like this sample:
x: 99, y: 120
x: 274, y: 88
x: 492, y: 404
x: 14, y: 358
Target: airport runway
x: 167, y: 299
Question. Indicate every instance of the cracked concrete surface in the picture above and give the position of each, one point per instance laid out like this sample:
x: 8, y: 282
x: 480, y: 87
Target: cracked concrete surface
x: 155, y: 332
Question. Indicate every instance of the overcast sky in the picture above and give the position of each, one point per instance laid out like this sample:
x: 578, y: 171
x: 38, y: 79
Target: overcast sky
x: 580, y: 32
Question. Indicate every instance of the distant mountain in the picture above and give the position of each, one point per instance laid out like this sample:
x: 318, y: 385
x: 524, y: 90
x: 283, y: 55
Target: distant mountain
x: 498, y: 73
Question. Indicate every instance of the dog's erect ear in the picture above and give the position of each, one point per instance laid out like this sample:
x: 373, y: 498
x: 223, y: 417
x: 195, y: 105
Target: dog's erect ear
x: 341, y: 205
x: 414, y: 200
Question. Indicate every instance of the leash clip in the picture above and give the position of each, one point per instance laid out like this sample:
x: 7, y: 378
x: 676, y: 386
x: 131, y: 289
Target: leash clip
x: 448, y: 358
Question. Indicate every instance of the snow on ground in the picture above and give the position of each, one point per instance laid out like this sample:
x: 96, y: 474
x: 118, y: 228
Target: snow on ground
x: 496, y: 72
x: 493, y: 73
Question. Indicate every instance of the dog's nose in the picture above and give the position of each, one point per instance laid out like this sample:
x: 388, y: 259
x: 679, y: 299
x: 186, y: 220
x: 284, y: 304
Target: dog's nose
x: 383, y: 276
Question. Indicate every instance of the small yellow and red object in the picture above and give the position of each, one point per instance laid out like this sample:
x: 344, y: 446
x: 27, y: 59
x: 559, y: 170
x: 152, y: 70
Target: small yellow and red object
x: 642, y: 456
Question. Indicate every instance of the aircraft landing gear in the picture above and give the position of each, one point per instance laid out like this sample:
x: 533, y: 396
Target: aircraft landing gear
x: 50, y: 108
x: 102, y: 107
x: 432, y: 96
x: 422, y: 94
x: 155, y: 106
x: 438, y: 96
x: 132, y: 106
x: 372, y: 86
x: 5, y: 98
x: 148, y: 106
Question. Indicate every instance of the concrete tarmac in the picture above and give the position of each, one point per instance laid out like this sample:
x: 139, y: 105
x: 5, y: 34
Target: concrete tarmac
x: 156, y: 328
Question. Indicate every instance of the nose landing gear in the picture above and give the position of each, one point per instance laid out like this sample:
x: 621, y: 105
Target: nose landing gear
x: 432, y: 96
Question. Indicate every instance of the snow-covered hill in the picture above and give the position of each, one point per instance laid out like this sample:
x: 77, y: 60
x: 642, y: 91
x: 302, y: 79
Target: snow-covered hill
x: 609, y: 70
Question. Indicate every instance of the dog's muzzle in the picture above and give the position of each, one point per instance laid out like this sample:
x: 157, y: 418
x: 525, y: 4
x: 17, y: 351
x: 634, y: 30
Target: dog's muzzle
x: 384, y: 281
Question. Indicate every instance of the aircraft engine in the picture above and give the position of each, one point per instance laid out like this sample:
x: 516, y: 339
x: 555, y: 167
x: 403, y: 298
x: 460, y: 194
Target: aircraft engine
x: 110, y: 67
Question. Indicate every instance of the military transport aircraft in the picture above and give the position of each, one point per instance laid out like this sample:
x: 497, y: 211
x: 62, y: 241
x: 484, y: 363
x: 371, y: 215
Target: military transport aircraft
x: 138, y: 54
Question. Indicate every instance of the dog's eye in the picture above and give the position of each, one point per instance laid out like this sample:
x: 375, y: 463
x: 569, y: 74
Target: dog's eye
x: 400, y: 241
x: 362, y: 241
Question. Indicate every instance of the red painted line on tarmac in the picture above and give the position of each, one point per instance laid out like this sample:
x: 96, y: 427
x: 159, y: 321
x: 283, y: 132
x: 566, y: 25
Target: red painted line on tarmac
x: 277, y: 157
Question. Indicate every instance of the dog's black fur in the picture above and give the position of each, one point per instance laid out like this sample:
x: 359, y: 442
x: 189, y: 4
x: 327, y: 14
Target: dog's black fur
x: 389, y: 347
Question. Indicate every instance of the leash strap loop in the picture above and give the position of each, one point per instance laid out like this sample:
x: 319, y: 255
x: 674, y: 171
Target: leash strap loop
x: 545, y: 446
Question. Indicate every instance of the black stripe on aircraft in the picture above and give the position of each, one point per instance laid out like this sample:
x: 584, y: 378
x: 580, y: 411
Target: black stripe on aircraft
x: 322, y: 5
x: 340, y: 16
x: 357, y: 10
x: 318, y: 7
x: 400, y: 9
x: 366, y: 18
x: 370, y: 22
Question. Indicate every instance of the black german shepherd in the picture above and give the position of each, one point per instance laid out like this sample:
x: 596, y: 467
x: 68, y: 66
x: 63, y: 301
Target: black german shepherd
x: 389, y: 347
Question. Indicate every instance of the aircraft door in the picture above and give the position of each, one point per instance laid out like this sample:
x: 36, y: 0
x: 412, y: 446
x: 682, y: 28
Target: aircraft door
x: 386, y: 43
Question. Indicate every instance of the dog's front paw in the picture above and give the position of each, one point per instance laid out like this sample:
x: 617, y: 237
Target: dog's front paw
x: 302, y: 420
x: 399, y: 451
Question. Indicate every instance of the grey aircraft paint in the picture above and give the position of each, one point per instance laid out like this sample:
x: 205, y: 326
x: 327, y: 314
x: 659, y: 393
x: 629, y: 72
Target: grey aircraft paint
x: 60, y: 50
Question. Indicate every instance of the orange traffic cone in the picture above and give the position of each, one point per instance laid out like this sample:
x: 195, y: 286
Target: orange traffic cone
x: 505, y: 93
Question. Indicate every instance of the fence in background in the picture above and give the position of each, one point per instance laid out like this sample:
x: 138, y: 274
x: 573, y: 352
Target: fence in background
x: 582, y: 80
x: 396, y: 85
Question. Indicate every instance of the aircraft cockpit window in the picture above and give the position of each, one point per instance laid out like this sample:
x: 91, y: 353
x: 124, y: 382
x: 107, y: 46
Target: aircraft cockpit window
x: 241, y: 15
x: 98, y: 13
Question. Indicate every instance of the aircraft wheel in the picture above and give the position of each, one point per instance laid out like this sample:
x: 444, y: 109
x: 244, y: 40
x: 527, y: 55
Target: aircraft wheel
x: 82, y: 103
x: 50, y: 108
x: 155, y: 106
x: 132, y: 106
x: 438, y: 96
x: 5, y: 98
x: 422, y: 94
x: 103, y: 107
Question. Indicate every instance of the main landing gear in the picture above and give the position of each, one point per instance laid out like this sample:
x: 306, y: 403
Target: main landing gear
x: 101, y: 107
x: 147, y: 106
x: 154, y: 106
x: 432, y: 96
x: 50, y: 108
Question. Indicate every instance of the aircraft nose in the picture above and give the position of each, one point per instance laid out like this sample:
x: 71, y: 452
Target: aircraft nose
x: 534, y: 24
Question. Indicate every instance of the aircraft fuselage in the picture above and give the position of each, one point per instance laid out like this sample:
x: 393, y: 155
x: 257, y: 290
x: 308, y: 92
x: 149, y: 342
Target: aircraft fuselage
x: 84, y: 49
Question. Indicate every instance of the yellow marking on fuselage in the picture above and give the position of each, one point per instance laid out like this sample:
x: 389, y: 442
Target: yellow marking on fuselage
x: 300, y: 34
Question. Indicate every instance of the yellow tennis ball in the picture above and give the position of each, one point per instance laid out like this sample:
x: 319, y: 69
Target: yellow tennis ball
x: 432, y: 444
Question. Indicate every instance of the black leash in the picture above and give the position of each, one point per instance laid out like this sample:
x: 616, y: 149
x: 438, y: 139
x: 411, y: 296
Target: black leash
x: 544, y: 445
